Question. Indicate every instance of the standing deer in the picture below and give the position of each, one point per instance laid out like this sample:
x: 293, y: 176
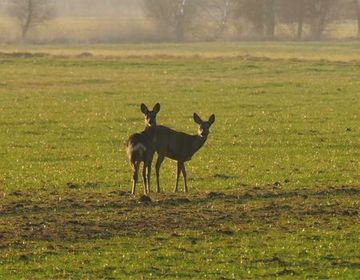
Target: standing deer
x: 179, y: 146
x: 140, y: 148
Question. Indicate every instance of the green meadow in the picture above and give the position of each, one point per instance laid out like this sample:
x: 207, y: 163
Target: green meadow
x: 274, y: 192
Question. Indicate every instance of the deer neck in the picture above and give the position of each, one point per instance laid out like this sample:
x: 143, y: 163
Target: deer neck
x: 197, y: 143
x: 149, y: 130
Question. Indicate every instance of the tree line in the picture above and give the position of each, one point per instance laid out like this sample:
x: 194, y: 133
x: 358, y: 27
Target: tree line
x: 259, y: 18
x: 186, y: 20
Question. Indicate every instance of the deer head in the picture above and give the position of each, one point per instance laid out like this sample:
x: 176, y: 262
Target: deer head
x: 150, y: 116
x: 204, y: 126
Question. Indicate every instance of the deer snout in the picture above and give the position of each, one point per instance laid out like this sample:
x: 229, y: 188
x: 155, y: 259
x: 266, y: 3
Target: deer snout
x: 203, y: 133
x: 150, y: 122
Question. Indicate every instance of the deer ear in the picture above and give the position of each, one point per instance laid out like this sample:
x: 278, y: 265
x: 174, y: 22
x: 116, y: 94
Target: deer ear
x: 197, y: 119
x: 144, y: 109
x: 156, y: 108
x: 212, y: 119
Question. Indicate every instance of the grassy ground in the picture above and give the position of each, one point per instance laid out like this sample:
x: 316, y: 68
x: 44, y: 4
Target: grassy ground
x: 273, y: 193
x: 334, y: 52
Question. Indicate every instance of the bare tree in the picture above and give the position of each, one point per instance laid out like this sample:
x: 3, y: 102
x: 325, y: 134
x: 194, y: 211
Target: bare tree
x: 293, y: 12
x: 318, y: 12
x: 251, y: 11
x: 260, y: 14
x: 215, y: 16
x: 269, y: 18
x: 226, y: 10
x: 314, y: 13
x: 30, y: 13
x: 300, y: 18
x: 172, y: 14
x: 180, y: 14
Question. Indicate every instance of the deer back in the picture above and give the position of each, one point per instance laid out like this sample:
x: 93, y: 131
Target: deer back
x: 175, y: 145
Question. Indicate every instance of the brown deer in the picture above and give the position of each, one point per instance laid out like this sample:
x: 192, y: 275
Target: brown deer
x: 140, y: 148
x: 179, y: 146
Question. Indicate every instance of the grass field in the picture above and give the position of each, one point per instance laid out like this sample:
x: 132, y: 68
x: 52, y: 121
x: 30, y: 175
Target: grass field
x: 274, y: 193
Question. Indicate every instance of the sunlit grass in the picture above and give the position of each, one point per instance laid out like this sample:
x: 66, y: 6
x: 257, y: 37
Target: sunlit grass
x: 283, y: 154
x: 69, y: 118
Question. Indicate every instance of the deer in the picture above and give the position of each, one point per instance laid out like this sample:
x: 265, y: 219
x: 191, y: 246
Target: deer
x: 140, y: 148
x: 179, y: 146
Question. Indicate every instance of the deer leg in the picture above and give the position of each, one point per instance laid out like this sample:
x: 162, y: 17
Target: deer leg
x: 179, y: 168
x: 185, y: 176
x: 144, y: 179
x: 148, y: 175
x: 135, y: 168
x: 149, y: 172
x: 159, y: 161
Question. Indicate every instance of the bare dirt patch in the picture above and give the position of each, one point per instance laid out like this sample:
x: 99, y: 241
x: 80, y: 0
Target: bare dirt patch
x: 79, y: 214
